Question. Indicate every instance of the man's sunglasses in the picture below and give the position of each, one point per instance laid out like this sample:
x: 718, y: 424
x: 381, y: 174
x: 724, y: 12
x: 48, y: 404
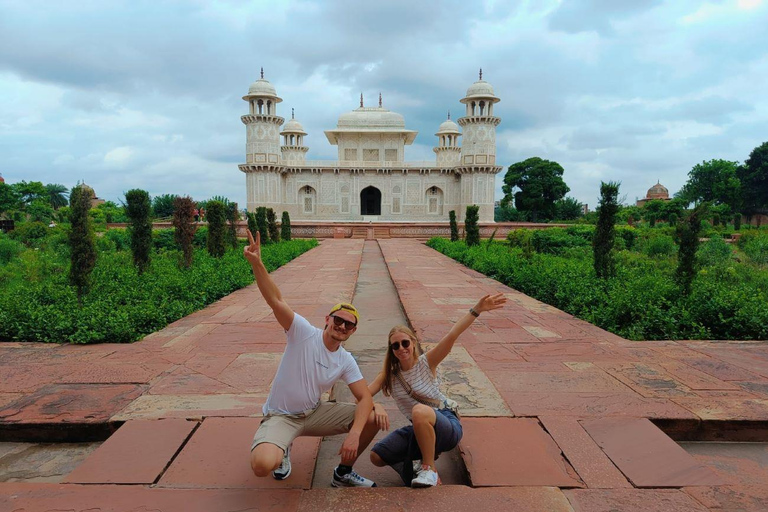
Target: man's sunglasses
x: 337, y: 320
x: 396, y: 345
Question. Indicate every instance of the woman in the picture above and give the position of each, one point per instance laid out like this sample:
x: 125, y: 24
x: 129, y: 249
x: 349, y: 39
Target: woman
x: 410, y: 377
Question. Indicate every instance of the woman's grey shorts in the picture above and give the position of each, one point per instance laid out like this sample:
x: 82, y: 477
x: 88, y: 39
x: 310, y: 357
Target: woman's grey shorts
x: 401, y: 444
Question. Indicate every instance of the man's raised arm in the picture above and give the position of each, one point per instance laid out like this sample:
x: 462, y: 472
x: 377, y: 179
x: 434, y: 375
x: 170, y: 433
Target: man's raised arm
x: 267, y: 286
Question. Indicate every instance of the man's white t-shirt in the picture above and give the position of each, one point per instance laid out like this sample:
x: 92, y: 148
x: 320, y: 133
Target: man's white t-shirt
x: 307, y: 370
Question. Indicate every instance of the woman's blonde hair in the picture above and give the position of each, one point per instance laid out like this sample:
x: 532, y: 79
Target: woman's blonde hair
x: 392, y: 363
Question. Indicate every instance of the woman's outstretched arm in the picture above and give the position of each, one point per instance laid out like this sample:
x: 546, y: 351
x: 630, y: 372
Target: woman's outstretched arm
x: 444, y: 347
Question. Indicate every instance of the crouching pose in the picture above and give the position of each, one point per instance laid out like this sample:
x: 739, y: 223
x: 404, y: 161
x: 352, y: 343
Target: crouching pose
x: 312, y: 362
x: 410, y: 377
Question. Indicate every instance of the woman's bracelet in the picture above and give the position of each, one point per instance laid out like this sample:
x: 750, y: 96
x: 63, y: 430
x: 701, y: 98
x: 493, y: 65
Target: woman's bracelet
x: 474, y: 313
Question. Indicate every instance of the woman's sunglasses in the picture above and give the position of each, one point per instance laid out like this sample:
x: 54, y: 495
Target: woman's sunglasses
x: 396, y: 345
x: 347, y: 324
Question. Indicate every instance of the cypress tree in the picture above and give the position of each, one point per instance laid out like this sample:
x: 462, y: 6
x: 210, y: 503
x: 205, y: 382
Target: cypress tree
x: 81, y: 241
x: 217, y: 238
x: 602, y: 243
x: 688, y: 239
x: 138, y: 210
x: 737, y: 222
x: 454, y: 226
x: 184, y: 227
x: 285, y: 227
x: 471, y: 228
x: 274, y: 233
x: 232, y: 218
x: 261, y: 222
x: 253, y: 227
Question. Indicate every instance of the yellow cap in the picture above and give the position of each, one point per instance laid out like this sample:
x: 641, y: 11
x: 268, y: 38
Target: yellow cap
x: 346, y: 307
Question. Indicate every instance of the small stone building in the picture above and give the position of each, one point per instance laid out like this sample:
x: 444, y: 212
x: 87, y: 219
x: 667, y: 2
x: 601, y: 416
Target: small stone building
x: 371, y: 180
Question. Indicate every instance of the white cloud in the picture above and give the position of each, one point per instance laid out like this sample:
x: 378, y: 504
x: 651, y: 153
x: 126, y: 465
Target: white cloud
x: 119, y: 157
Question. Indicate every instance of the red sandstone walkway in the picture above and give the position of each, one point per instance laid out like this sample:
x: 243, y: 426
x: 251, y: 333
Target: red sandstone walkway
x: 556, y: 411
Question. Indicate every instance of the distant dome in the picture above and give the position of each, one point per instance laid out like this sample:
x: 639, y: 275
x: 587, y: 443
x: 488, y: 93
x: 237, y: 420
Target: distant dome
x: 262, y: 87
x: 658, y: 191
x: 448, y: 127
x: 371, y: 118
x: 293, y: 126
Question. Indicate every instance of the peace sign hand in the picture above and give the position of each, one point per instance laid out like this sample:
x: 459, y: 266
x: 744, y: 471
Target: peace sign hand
x: 252, y: 251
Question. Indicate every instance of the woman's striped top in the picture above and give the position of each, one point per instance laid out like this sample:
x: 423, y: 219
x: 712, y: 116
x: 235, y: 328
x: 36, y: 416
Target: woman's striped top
x: 423, y: 383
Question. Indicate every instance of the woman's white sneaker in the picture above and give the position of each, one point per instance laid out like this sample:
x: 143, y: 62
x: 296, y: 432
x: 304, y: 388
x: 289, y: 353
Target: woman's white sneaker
x: 427, y: 477
x: 351, y: 479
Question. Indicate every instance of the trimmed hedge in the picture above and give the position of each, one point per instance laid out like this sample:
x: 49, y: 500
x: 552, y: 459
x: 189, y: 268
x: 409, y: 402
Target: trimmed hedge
x: 641, y: 302
x: 36, y: 303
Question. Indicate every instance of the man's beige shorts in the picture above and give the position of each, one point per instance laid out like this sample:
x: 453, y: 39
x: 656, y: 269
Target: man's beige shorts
x: 327, y: 419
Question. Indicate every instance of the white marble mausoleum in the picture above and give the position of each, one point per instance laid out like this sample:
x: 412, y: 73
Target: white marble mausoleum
x: 371, y: 180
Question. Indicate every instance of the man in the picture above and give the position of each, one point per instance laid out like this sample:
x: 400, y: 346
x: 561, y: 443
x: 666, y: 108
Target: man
x: 312, y: 362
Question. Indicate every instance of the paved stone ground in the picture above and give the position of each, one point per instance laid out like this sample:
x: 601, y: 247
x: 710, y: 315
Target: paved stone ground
x: 558, y: 415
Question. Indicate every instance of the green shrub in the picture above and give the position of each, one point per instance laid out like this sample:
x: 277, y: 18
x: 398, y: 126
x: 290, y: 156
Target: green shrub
x: 81, y: 241
x: 31, y: 234
x: 200, y: 240
x: 217, y: 239
x: 556, y: 240
x: 233, y: 216
x: 123, y: 306
x: 454, y: 226
x: 184, y: 227
x: 9, y: 249
x: 138, y: 210
x: 714, y: 252
x: 119, y: 237
x: 274, y: 233
x: 688, y: 231
x: 261, y: 223
x: 657, y: 245
x: 164, y: 239
x: 756, y: 247
x: 471, y: 229
x: 285, y: 227
x: 605, y: 231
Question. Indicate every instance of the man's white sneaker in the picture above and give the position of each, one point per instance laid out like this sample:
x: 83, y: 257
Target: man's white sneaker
x: 351, y: 479
x: 283, y: 471
x: 426, y: 477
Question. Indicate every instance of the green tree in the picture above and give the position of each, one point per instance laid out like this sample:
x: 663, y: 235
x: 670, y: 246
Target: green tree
x: 285, y: 227
x: 233, y: 216
x: 454, y: 226
x: 58, y: 195
x: 217, y: 218
x: 253, y: 226
x: 138, y: 209
x: 81, y: 241
x: 602, y: 243
x: 9, y: 199
x: 568, y: 208
x: 29, y: 191
x: 162, y: 206
x: 184, y: 227
x: 540, y: 183
x: 274, y: 233
x: 688, y: 240
x: 754, y: 180
x: 506, y: 213
x: 714, y: 181
x: 471, y: 228
x: 40, y: 210
x: 261, y: 222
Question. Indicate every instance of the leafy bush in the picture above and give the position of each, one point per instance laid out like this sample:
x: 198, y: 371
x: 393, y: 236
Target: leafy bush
x: 471, y: 229
x: 657, y: 245
x: 756, y: 247
x: 164, y: 239
x: 556, y: 240
x: 285, y: 226
x: 641, y: 302
x: 119, y: 237
x: 30, y: 234
x: 37, y: 305
x: 138, y: 211
x: 81, y: 241
x: 714, y: 252
x: 454, y: 226
x: 9, y: 249
x: 217, y: 218
x: 274, y: 233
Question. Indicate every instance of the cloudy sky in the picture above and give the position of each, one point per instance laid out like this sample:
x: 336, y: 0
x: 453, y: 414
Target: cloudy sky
x: 147, y: 94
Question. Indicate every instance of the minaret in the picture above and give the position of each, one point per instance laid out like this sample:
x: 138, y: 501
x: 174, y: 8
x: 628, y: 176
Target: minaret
x: 448, y: 150
x: 478, y: 150
x: 263, y: 165
x: 293, y: 149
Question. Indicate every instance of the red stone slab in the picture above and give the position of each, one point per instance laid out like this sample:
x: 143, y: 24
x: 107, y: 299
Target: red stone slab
x: 647, y: 379
x: 184, y: 381
x: 71, y: 403
x: 557, y: 382
x: 719, y: 369
x: 646, y: 455
x: 136, y: 454
x: 743, y: 409
x: 573, y: 351
x: 589, y: 461
x: 117, y: 498
x: 453, y: 498
x: 217, y: 455
x: 632, y: 500
x: 513, y: 452
x: 491, y: 352
x: 251, y: 373
x: 593, y: 404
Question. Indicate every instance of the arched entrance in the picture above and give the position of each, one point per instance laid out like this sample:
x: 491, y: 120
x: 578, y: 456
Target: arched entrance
x: 370, y: 201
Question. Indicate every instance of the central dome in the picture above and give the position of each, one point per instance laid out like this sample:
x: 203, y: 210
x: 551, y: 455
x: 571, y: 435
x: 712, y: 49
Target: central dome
x: 375, y: 118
